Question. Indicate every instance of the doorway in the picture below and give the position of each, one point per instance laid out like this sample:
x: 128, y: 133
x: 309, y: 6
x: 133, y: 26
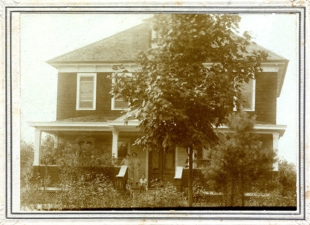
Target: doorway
x: 162, y: 165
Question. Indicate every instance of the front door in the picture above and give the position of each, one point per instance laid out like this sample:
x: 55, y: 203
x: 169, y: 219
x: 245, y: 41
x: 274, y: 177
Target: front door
x: 162, y: 165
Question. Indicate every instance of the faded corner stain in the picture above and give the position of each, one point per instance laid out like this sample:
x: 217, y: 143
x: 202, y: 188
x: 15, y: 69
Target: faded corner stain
x: 307, y: 195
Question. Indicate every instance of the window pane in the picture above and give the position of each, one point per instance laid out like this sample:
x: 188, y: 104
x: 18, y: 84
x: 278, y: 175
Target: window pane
x: 247, y: 95
x: 120, y: 104
x: 122, y: 149
x: 247, y: 100
x: 86, y: 92
x: 86, y: 78
x: 86, y: 104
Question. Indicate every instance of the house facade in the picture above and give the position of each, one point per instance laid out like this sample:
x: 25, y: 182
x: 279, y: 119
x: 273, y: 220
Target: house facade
x: 86, y: 109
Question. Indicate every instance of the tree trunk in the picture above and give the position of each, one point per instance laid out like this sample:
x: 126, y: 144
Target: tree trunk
x: 190, y: 177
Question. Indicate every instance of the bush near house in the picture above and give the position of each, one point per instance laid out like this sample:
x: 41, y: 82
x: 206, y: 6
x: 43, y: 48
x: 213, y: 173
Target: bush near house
x: 81, y: 188
x: 81, y: 185
x: 241, y: 168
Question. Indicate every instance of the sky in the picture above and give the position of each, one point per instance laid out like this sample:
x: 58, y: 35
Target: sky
x: 45, y: 36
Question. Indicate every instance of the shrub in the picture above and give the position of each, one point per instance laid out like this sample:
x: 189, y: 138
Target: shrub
x: 274, y: 198
x: 89, y: 193
x: 164, y: 194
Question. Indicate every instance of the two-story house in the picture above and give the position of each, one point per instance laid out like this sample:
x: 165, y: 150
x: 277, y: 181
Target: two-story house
x: 84, y: 105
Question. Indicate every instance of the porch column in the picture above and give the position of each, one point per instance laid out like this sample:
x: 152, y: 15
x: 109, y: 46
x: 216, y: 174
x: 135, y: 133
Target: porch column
x: 37, y: 147
x: 276, y: 137
x: 115, y: 143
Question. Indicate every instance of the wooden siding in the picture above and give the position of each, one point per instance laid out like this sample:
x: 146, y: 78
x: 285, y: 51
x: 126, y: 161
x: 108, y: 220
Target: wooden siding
x: 66, y: 97
x: 266, y: 98
x: 267, y: 140
x: 265, y: 101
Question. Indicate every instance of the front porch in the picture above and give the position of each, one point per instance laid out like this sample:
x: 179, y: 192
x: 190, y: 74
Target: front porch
x: 103, y: 145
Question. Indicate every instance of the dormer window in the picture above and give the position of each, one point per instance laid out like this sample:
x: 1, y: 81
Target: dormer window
x: 86, y: 91
x: 119, y: 103
x: 248, y: 96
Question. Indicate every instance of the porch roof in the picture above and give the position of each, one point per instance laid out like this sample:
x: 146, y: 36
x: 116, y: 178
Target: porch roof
x: 132, y: 126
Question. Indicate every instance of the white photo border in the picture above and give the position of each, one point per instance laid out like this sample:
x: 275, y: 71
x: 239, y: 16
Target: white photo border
x: 12, y: 118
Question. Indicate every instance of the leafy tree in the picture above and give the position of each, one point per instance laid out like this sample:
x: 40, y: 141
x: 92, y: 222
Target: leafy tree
x: 176, y: 97
x: 26, y: 161
x: 239, y: 161
x: 287, y: 178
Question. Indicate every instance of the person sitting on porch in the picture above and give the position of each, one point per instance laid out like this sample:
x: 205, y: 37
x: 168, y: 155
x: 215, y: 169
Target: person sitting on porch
x: 143, y: 182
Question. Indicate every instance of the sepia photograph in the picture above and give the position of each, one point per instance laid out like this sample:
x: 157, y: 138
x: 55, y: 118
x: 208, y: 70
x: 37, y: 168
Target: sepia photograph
x: 184, y: 110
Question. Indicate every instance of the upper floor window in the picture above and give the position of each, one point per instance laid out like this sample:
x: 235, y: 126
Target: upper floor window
x: 248, y: 95
x: 86, y: 91
x: 119, y: 103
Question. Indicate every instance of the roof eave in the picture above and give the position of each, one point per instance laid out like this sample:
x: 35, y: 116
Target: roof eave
x: 262, y: 128
x: 132, y: 125
x: 282, y: 77
x: 55, y: 63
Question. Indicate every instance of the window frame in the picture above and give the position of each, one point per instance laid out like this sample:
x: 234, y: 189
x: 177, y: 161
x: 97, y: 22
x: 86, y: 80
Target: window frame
x: 253, y: 101
x: 79, y: 76
x: 113, y: 99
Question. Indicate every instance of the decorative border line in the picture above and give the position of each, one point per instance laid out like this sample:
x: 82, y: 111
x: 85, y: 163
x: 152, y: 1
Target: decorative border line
x: 184, y: 215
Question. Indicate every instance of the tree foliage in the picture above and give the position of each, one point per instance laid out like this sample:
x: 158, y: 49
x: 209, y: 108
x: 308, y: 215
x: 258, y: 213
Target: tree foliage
x: 177, y: 98
x: 75, y: 153
x: 26, y: 161
x: 240, y: 162
x: 287, y: 178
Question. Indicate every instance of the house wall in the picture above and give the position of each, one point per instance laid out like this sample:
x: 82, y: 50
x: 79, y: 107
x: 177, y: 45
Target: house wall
x: 267, y: 140
x: 181, y: 155
x: 66, y: 97
x: 265, y: 101
x: 266, y: 98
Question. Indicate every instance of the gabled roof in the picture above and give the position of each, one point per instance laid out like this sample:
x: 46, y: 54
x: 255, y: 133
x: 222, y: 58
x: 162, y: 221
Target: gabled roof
x: 124, y: 46
x: 121, y: 47
x: 271, y: 55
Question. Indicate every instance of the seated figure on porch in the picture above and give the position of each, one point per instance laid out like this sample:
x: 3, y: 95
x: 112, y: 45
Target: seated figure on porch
x: 143, y: 183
